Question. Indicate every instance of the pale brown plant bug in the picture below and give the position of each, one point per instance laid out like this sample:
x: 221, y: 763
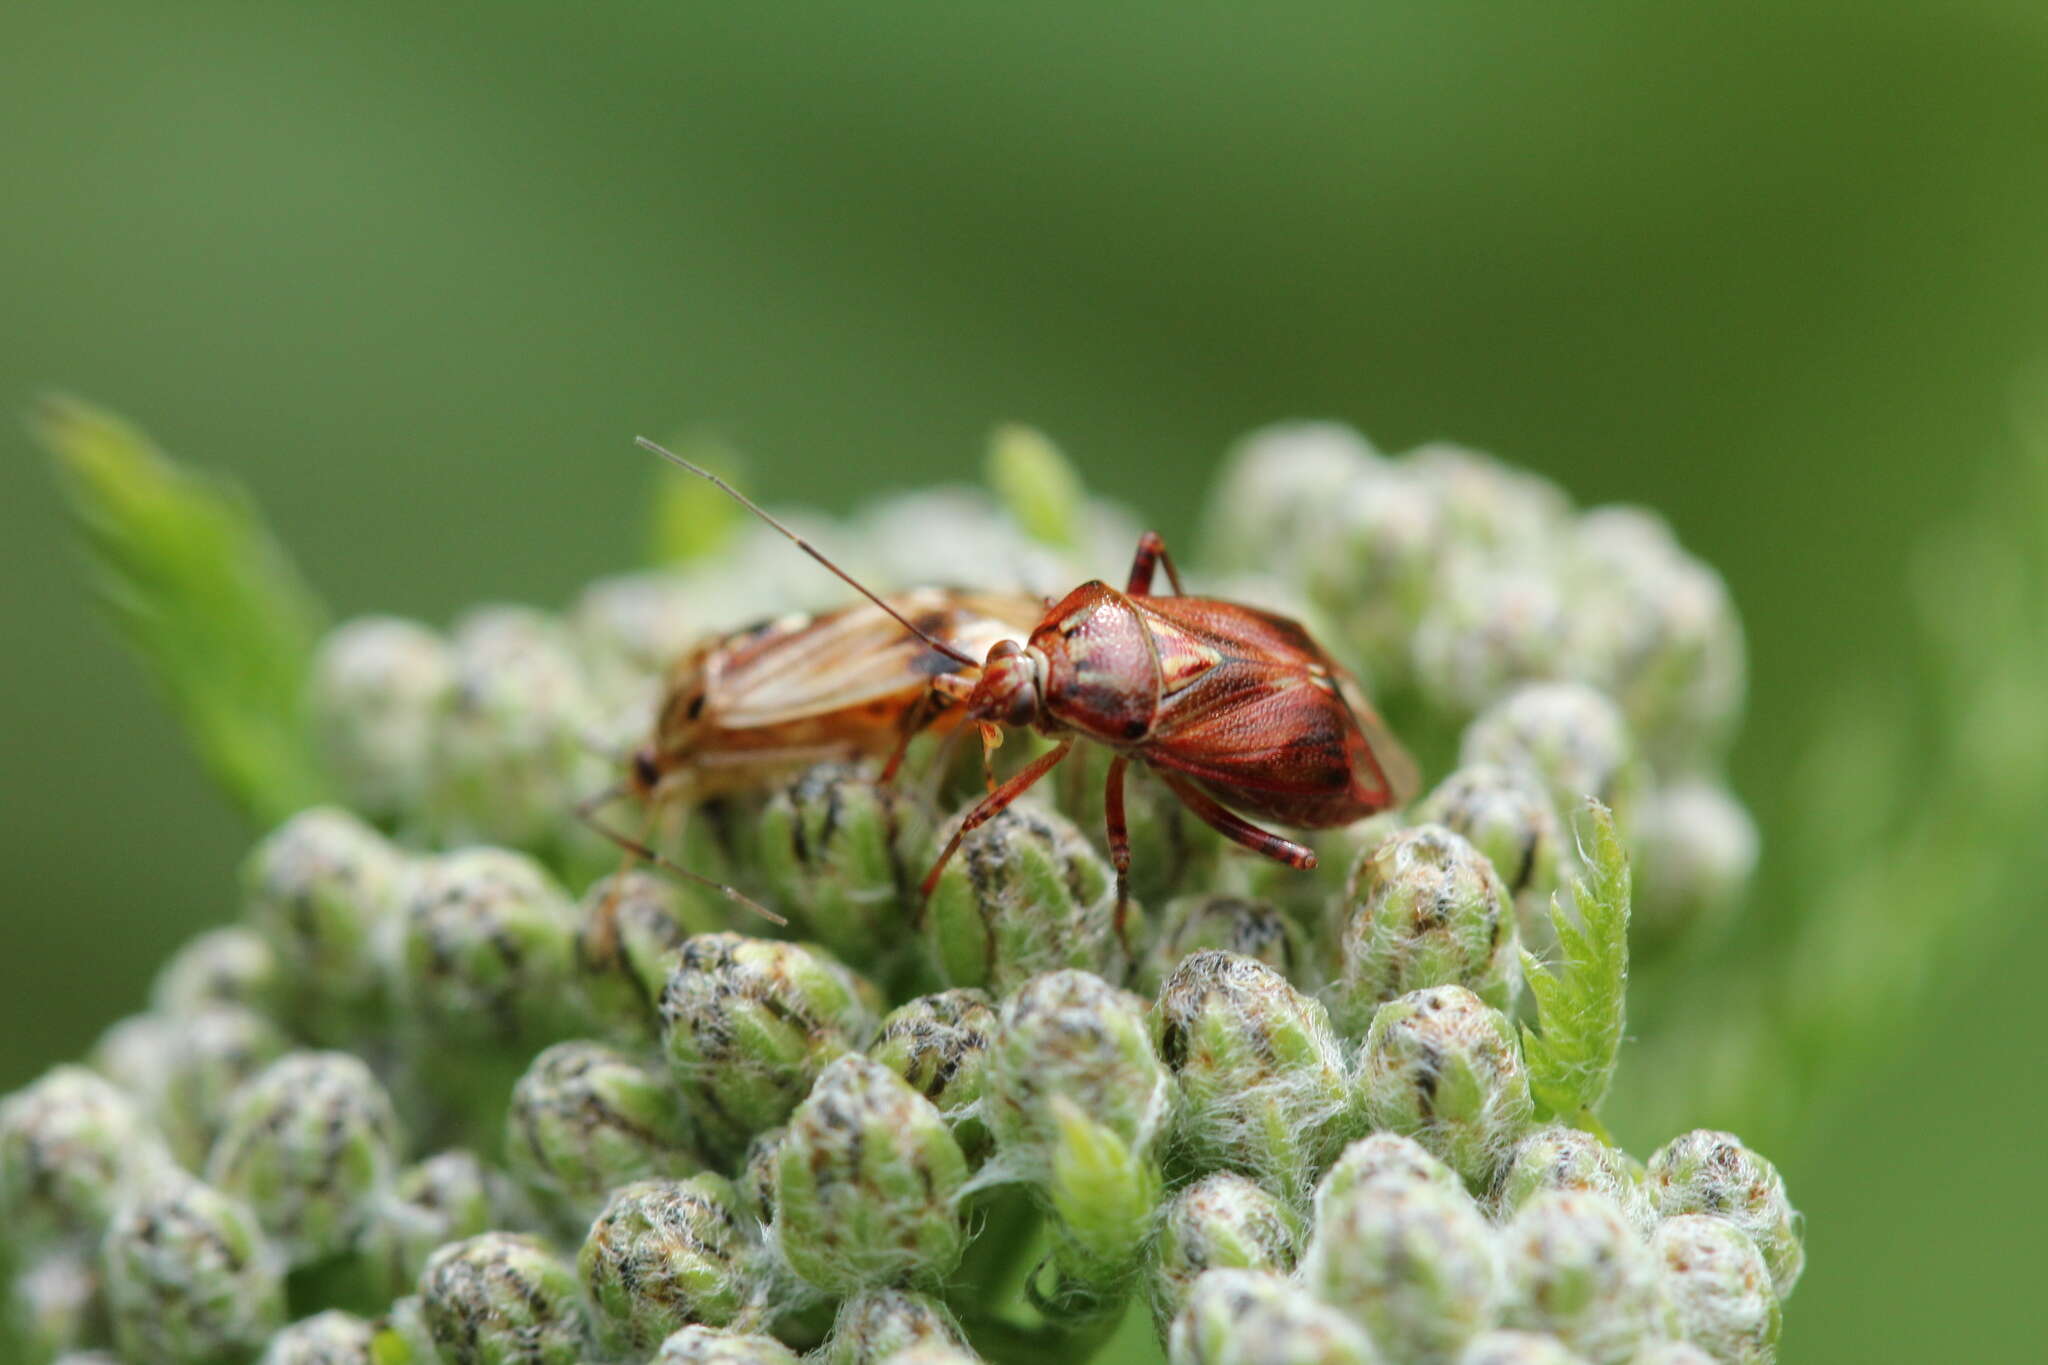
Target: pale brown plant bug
x: 1229, y: 705
x: 745, y: 709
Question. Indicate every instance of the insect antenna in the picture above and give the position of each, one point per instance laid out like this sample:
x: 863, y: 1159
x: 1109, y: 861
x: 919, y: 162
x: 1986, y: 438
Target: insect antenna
x: 743, y: 500
x: 586, y: 811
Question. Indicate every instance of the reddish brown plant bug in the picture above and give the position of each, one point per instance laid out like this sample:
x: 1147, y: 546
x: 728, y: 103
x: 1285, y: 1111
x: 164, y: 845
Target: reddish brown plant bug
x: 1231, y: 706
x: 742, y: 710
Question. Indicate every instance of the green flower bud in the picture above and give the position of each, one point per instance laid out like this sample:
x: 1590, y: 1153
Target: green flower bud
x: 1388, y: 1158
x: 306, y: 1144
x: 877, y: 1324
x: 1492, y: 623
x: 54, y: 1305
x: 1254, y: 1317
x: 1222, y: 1220
x: 1377, y: 570
x: 317, y: 890
x: 1695, y: 851
x: 484, y: 951
x: 1263, y: 1082
x: 440, y: 1200
x: 664, y: 1254
x: 1720, y: 1288
x: 867, y: 1183
x: 1559, y: 1158
x: 190, y: 1276
x: 1248, y: 928
x: 234, y: 965
x: 747, y: 1024
x: 329, y: 1338
x: 940, y: 1045
x: 631, y: 926
x: 839, y: 851
x: 1424, y: 909
x: 629, y: 629
x: 586, y: 1118
x: 1679, y: 669
x: 957, y: 535
x: 756, y: 1183
x: 1574, y: 1267
x: 698, y: 1345
x: 509, y: 758
x: 70, y: 1146
x: 187, y: 1067
x: 1078, y: 1100
x: 1671, y: 1353
x: 1444, y: 1068
x: 402, y: 1337
x: 503, y: 1299
x: 378, y: 686
x: 1713, y: 1173
x: 1507, y: 815
x: 933, y: 1353
x: 1415, y: 1263
x: 1070, y: 1035
x: 1517, y: 1348
x: 1568, y: 735
x: 1276, y: 491
x: 1486, y: 503
x: 1026, y: 893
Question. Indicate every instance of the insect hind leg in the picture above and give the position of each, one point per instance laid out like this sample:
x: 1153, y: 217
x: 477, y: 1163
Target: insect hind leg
x: 1151, y: 553
x: 1236, y: 828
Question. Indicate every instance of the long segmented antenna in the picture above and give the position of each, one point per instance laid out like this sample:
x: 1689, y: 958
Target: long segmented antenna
x: 743, y: 500
x: 586, y: 811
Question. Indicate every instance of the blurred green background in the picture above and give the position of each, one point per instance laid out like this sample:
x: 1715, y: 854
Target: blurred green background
x: 417, y: 274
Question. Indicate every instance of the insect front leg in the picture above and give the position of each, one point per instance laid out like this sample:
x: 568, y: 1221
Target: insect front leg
x: 915, y: 719
x: 1151, y: 551
x: 992, y: 805
x: 1236, y: 828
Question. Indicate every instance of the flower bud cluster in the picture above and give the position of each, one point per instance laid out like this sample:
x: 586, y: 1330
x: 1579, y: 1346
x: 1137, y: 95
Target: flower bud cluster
x: 1586, y: 650
x: 450, y: 1094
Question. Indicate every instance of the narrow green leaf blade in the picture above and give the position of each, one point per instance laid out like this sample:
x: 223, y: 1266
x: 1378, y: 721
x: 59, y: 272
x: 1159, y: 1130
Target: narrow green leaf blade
x: 197, y: 586
x: 1038, y: 486
x: 1581, y: 999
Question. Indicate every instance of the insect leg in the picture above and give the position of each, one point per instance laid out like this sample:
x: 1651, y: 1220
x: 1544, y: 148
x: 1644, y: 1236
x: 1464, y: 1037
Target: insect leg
x: 586, y: 811
x: 1119, y: 839
x: 915, y: 719
x: 1151, y: 551
x: 991, y: 806
x: 1237, y: 829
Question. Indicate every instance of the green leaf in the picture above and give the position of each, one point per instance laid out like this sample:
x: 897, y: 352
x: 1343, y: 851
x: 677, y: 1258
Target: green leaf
x: 691, y: 519
x: 1580, y: 1000
x: 1037, y: 485
x: 198, y: 587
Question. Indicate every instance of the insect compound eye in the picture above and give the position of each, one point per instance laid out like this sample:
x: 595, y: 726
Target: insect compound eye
x: 645, y: 773
x: 1023, y: 707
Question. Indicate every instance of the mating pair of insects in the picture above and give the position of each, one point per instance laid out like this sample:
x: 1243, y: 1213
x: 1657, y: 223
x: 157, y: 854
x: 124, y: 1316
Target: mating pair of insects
x: 1233, y: 708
